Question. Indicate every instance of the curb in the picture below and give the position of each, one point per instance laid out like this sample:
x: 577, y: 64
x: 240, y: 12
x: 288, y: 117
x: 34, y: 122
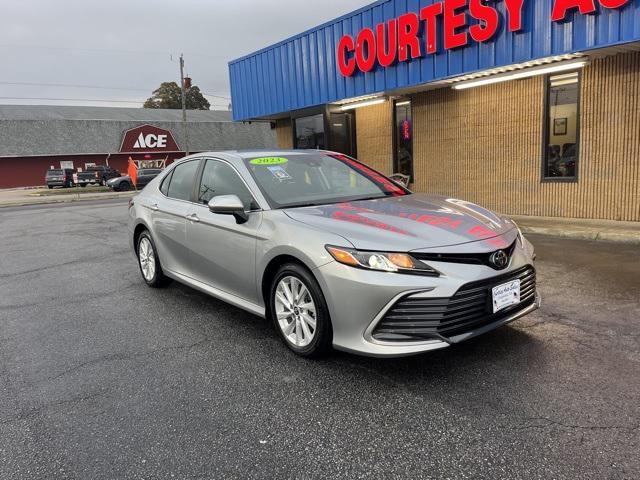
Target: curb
x: 603, y: 235
x: 47, y: 201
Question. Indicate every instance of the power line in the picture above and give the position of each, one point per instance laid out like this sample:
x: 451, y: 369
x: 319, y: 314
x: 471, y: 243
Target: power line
x: 101, y: 100
x: 73, y: 99
x: 98, y: 87
x: 106, y: 50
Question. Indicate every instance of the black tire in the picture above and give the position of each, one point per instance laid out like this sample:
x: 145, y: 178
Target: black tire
x: 124, y: 187
x: 50, y: 187
x: 159, y: 279
x: 83, y: 185
x: 323, y: 335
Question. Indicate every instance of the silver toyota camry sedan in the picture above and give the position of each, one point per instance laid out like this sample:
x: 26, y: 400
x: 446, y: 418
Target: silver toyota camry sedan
x: 333, y: 252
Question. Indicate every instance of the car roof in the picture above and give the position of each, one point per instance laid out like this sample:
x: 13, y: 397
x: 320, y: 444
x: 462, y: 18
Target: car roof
x: 244, y: 154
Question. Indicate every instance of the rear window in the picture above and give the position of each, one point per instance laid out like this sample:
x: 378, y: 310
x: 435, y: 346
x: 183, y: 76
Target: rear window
x: 52, y: 173
x: 149, y: 171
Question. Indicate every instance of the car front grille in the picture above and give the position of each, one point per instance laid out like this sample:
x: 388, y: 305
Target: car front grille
x: 469, y: 258
x: 414, y: 319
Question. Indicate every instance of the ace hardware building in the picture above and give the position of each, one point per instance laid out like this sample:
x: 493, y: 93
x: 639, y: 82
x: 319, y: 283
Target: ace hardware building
x: 528, y: 107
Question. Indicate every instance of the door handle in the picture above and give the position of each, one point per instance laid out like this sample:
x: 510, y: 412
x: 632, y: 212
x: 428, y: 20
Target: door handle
x: 154, y: 207
x: 192, y: 217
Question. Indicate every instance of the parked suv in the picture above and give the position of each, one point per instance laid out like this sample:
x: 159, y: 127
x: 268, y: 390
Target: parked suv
x: 59, y: 177
x: 97, y: 175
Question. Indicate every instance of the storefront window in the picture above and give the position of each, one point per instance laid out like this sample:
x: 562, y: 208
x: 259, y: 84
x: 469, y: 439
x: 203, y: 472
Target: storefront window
x: 403, y: 139
x: 342, y: 133
x: 310, y: 132
x: 562, y: 126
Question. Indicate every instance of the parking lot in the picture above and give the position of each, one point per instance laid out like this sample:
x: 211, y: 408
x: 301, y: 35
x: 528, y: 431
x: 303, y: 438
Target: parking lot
x: 102, y: 377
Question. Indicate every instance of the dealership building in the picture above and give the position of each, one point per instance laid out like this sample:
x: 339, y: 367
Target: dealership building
x: 528, y: 107
x: 34, y: 139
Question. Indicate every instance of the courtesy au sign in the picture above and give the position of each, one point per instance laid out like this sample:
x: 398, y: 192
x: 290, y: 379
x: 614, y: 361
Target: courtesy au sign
x: 398, y: 40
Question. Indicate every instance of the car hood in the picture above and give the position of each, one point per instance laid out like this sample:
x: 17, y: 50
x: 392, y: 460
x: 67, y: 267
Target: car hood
x: 412, y: 222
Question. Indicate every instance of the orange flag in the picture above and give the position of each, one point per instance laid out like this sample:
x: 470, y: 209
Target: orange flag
x: 132, y: 171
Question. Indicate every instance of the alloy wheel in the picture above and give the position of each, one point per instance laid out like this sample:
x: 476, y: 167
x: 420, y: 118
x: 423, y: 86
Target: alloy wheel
x: 147, y: 259
x: 295, y: 311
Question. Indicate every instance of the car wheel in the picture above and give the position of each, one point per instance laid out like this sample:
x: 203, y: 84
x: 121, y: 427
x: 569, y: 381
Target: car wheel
x: 149, y: 263
x: 124, y: 187
x: 50, y: 187
x: 83, y: 185
x: 299, y: 311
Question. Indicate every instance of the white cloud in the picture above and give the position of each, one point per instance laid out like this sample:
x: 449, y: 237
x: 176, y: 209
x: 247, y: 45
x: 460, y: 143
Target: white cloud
x: 129, y: 43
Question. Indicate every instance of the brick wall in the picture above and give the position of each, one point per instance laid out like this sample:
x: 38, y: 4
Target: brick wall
x: 485, y: 145
x: 284, y: 135
x: 374, y: 131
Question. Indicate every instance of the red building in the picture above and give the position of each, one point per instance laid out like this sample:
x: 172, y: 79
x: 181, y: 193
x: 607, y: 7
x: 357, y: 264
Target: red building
x: 34, y: 139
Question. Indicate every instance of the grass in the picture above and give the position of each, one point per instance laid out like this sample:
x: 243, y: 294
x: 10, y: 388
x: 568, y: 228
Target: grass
x: 69, y: 191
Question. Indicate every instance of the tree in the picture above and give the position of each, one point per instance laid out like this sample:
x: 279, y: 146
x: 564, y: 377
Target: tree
x: 167, y: 95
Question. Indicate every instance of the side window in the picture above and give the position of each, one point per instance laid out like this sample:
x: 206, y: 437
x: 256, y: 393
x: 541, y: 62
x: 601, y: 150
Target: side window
x: 182, y: 180
x: 164, y: 188
x: 220, y: 179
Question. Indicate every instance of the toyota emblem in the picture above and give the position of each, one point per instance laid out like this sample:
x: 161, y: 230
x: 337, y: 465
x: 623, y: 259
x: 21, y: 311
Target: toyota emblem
x: 499, y: 259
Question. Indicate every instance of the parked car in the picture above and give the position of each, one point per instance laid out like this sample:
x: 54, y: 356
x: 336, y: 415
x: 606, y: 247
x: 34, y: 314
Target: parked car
x: 333, y: 252
x: 59, y: 177
x: 97, y: 175
x: 124, y: 183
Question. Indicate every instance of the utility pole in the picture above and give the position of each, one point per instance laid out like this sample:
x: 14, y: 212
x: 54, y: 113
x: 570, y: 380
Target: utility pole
x: 185, y: 134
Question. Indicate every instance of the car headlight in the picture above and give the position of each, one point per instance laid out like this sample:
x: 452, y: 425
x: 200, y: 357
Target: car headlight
x: 380, y: 261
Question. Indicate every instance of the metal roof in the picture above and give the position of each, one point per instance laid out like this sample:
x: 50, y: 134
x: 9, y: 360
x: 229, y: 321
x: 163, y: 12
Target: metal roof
x: 301, y: 71
x: 31, y: 131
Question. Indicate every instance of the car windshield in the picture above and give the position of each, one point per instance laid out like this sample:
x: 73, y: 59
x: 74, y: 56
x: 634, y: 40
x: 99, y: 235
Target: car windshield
x: 52, y: 173
x: 307, y: 179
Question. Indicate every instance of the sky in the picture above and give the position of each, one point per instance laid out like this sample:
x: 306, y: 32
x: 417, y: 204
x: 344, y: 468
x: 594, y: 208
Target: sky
x: 58, y: 49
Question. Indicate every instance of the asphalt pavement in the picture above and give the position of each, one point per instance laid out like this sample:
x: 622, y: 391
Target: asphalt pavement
x: 102, y: 377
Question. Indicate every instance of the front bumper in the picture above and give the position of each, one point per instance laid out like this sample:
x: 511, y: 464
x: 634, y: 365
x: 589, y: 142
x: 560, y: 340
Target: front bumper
x: 359, y: 299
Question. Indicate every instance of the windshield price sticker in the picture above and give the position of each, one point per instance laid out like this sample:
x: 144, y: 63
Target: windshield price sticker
x: 279, y: 172
x: 269, y: 161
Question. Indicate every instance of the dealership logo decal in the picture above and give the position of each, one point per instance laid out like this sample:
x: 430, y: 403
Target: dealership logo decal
x: 151, y: 141
x: 447, y: 24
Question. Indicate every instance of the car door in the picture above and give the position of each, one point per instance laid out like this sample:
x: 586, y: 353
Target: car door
x: 169, y: 210
x: 223, y: 250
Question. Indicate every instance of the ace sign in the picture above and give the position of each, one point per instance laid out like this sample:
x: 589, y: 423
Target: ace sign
x: 147, y: 138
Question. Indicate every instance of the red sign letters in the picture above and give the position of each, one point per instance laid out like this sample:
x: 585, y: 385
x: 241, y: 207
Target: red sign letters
x: 398, y: 40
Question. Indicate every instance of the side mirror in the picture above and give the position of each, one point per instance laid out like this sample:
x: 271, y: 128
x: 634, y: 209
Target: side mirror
x: 228, y: 205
